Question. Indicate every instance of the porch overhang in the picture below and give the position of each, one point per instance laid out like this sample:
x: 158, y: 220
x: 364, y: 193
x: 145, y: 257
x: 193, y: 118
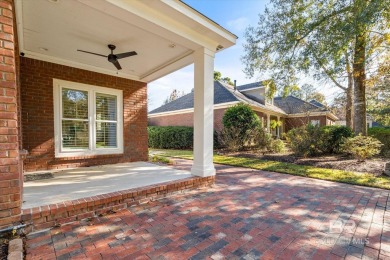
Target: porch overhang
x: 165, y: 34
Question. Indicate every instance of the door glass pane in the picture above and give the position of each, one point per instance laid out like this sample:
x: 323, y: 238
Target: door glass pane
x: 105, y: 107
x: 75, y: 134
x: 74, y: 104
x: 106, y: 135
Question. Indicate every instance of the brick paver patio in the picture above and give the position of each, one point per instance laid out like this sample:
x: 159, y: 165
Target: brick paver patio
x: 249, y: 214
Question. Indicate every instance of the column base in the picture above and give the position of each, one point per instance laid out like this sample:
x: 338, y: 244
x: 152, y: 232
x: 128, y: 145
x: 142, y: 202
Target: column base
x: 203, y: 171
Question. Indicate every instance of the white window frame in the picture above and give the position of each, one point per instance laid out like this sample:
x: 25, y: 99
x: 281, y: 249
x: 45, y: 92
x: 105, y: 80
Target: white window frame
x: 318, y: 122
x: 58, y: 85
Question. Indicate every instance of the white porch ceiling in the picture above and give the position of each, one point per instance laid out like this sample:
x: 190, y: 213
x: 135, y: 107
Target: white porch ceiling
x: 53, y: 30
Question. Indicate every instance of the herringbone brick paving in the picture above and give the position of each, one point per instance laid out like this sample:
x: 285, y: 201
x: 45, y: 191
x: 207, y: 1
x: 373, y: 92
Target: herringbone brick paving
x: 248, y: 214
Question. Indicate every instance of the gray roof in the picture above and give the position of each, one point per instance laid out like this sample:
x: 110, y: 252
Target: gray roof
x: 250, y: 85
x: 224, y: 93
x: 294, y: 105
x: 316, y: 103
x: 221, y: 95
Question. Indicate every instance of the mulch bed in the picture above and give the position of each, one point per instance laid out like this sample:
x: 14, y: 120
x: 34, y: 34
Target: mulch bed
x: 341, y: 162
x: 3, y: 249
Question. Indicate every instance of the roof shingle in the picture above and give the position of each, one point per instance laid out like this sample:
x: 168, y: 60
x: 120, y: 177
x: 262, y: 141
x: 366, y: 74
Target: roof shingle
x: 221, y: 95
x: 294, y: 105
x: 250, y: 85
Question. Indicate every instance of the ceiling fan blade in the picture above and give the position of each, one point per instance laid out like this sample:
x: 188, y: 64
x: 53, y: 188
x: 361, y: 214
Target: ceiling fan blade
x: 125, y: 54
x: 117, y: 65
x: 93, y: 53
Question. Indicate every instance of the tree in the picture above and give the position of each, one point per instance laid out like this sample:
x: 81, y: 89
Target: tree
x: 227, y: 80
x: 217, y: 75
x: 175, y: 94
x: 308, y: 92
x: 378, y: 93
x: 339, y: 105
x: 335, y: 39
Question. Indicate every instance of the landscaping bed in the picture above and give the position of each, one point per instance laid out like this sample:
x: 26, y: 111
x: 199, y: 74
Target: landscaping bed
x: 3, y: 249
x: 340, y: 162
x: 336, y: 175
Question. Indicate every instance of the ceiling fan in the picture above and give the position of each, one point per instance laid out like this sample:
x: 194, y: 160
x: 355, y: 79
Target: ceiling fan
x: 113, y: 58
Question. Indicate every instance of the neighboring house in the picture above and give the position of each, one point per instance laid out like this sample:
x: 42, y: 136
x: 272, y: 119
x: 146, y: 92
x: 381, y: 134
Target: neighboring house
x: 370, y: 122
x: 63, y: 108
x: 291, y: 111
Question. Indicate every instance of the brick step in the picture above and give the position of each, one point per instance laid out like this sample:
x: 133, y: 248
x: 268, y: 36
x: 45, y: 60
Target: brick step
x: 53, y: 215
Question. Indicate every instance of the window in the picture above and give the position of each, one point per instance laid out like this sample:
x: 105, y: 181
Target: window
x: 315, y: 122
x: 88, y: 119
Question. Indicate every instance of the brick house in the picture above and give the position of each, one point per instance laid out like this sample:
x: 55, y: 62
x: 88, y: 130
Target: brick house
x: 291, y: 111
x: 63, y: 108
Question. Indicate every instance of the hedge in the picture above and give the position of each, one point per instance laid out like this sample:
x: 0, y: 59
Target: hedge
x: 383, y: 135
x: 173, y: 137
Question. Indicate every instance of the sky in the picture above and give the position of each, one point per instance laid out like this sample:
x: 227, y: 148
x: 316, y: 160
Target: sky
x: 235, y: 16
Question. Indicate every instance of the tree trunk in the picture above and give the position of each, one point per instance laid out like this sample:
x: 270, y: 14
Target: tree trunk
x: 349, y: 108
x: 359, y: 80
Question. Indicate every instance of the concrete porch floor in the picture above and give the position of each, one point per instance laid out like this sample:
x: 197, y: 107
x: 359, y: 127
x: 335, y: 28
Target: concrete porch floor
x: 91, y: 181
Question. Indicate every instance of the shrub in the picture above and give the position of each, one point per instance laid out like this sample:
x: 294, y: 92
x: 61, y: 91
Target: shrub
x: 276, y: 146
x: 334, y: 137
x: 313, y: 140
x: 307, y: 140
x: 240, y: 126
x: 361, y: 147
x: 262, y: 138
x: 383, y: 135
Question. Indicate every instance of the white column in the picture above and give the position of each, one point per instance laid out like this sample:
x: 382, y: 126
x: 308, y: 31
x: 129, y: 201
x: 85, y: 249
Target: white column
x: 203, y: 113
x: 278, y: 128
x: 269, y: 123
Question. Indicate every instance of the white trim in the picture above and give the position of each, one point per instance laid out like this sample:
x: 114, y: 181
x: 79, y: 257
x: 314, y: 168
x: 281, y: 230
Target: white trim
x: 325, y: 113
x: 265, y: 110
x: 92, y: 90
x: 190, y: 110
x: 250, y: 89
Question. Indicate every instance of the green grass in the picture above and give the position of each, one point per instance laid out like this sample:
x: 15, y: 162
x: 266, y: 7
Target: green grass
x: 362, y: 179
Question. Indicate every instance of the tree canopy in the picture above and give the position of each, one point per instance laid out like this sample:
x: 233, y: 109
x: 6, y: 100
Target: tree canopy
x: 325, y: 38
x: 308, y: 92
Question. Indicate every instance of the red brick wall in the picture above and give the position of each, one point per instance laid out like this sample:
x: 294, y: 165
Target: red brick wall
x: 38, y: 115
x: 186, y: 119
x: 10, y: 170
x: 293, y: 122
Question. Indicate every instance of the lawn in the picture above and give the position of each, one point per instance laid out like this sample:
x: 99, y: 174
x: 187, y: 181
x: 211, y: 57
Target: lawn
x: 362, y: 179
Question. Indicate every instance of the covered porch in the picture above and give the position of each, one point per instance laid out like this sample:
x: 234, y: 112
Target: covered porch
x: 85, y: 192
x: 70, y: 108
x: 83, y: 182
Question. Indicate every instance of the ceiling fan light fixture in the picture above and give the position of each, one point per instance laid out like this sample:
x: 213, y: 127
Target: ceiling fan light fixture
x: 113, y: 58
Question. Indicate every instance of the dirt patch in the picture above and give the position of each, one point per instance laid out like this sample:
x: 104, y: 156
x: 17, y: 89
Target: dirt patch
x: 340, y: 162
